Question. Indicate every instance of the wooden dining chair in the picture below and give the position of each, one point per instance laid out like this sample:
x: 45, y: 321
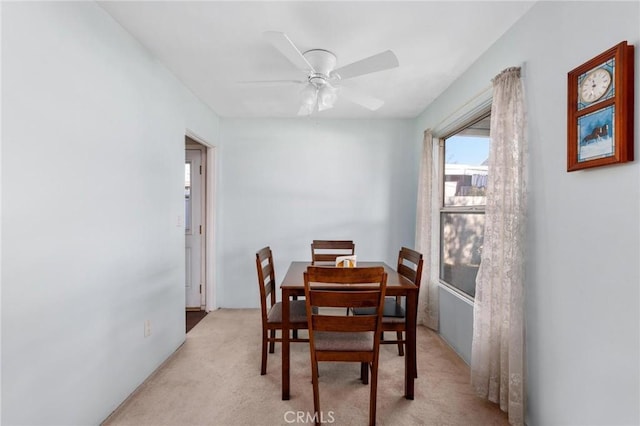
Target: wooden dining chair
x: 393, y: 317
x: 272, y: 311
x: 335, y: 336
x: 326, y: 251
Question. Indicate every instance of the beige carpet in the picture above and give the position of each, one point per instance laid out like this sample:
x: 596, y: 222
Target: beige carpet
x: 214, y: 379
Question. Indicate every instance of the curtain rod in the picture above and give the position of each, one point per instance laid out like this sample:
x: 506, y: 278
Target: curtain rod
x: 482, y: 93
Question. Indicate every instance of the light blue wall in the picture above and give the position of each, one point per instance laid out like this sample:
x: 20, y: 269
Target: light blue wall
x: 286, y: 182
x: 582, y: 289
x: 92, y: 188
x: 456, y: 321
x: 100, y: 125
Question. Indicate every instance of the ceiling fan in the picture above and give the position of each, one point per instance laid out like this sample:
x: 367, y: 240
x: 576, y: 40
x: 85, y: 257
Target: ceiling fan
x: 322, y: 83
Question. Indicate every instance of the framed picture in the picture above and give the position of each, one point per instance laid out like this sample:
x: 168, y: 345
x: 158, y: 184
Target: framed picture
x: 600, y: 110
x: 596, y: 135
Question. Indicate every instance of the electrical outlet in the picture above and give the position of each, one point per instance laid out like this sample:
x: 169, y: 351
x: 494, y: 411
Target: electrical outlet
x: 147, y: 328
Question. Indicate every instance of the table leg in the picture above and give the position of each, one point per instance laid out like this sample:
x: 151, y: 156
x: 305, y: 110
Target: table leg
x: 285, y: 344
x: 410, y: 353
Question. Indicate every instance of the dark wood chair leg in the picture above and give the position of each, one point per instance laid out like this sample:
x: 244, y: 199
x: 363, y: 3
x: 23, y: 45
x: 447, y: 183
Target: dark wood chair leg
x: 316, y: 391
x: 263, y: 365
x: 373, y: 394
x: 364, y: 372
x: 294, y: 333
x: 272, y: 344
x: 400, y: 344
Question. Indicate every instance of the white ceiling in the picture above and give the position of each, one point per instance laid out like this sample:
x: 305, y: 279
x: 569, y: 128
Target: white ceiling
x: 212, y: 46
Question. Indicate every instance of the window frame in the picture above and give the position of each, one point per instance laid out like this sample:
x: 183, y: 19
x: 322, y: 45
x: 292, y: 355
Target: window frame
x: 481, y: 114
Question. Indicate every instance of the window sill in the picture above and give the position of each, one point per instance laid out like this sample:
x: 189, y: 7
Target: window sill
x: 455, y: 292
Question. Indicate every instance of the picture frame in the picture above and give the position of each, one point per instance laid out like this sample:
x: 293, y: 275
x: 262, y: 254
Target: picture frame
x: 600, y: 110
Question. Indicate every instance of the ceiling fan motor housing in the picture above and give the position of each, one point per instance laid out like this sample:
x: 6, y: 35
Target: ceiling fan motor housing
x: 323, y: 62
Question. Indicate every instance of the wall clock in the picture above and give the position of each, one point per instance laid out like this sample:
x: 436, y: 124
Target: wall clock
x: 600, y: 110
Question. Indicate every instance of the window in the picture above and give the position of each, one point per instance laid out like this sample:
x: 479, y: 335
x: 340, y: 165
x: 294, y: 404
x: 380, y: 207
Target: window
x: 187, y: 197
x: 464, y: 154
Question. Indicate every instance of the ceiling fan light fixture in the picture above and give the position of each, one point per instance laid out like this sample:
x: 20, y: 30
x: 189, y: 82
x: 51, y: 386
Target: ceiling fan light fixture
x: 306, y: 109
x: 327, y: 96
x: 309, y: 99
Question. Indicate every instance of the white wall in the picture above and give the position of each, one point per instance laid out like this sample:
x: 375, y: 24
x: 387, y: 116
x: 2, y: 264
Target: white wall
x: 286, y: 182
x: 92, y: 187
x: 582, y: 289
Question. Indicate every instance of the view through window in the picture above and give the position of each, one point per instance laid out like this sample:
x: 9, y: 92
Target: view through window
x: 187, y: 197
x: 465, y: 173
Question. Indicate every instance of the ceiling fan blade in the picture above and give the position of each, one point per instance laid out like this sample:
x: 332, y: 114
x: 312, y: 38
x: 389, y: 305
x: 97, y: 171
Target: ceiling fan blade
x: 381, y: 61
x: 281, y: 42
x: 360, y: 98
x: 271, y: 83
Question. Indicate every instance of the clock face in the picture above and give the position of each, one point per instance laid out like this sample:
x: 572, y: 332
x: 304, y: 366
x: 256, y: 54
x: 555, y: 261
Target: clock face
x: 595, y: 85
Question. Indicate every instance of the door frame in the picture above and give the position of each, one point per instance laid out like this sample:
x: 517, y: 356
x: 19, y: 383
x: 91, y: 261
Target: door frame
x: 195, y: 155
x: 210, y: 188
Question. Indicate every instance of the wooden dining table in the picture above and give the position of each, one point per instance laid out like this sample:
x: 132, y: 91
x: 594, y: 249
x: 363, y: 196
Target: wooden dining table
x: 397, y: 285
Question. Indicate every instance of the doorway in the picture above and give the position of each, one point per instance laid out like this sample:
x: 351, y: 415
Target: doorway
x: 195, y: 197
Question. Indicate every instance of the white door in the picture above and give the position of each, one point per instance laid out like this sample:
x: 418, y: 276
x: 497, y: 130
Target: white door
x: 194, y: 229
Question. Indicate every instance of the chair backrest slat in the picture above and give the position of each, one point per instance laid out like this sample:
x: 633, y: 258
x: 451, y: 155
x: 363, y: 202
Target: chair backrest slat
x: 329, y: 250
x: 266, y: 279
x: 269, y: 274
x: 358, y: 298
x: 410, y: 265
x: 343, y: 288
x: 358, y: 323
x: 269, y: 287
x: 407, y: 272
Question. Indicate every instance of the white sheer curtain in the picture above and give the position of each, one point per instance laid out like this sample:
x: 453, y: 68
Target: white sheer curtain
x: 497, y: 359
x: 428, y: 296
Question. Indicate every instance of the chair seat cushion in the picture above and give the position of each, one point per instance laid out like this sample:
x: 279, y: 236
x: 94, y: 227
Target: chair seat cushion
x: 297, y: 312
x: 343, y: 341
x: 393, y: 320
x: 392, y: 309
